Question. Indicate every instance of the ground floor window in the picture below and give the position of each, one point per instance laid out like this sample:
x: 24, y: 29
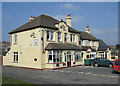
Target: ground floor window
x: 54, y: 56
x: 92, y: 55
x: 112, y: 57
x: 101, y: 54
x: 78, y: 56
x: 15, y: 56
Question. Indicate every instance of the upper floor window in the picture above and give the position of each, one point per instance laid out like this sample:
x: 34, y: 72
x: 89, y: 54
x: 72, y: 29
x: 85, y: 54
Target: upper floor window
x: 50, y: 35
x: 92, y: 43
x: 62, y: 27
x: 65, y: 37
x: 15, y: 38
x: 87, y: 43
x: 72, y: 37
x: 81, y: 42
x: 59, y: 36
x: 35, y: 42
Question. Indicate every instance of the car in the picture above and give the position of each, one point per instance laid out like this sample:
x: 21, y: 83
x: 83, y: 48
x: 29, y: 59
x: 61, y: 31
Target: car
x: 102, y: 61
x: 116, y: 65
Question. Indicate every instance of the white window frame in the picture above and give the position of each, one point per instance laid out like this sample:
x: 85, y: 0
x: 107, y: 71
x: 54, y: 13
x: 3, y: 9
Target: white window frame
x: 66, y: 37
x: 57, y: 54
x: 59, y: 37
x: 51, y: 35
x: 92, y: 43
x: 72, y: 38
x: 35, y: 42
x: 87, y: 43
x: 101, y: 54
x: 50, y: 61
x: 15, y: 56
x: 15, y: 38
x: 79, y: 56
x: 81, y: 42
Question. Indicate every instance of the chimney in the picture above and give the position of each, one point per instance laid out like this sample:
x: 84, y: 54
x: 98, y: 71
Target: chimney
x: 87, y: 29
x: 31, y: 18
x: 68, y: 20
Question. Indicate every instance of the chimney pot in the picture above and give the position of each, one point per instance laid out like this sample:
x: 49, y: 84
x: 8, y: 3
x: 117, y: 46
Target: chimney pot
x: 32, y: 17
x: 87, y: 29
x: 87, y: 26
x: 68, y: 14
x: 61, y: 19
x: 69, y: 20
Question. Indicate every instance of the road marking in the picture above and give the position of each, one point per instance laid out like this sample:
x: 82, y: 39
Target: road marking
x: 95, y: 74
x: 113, y: 76
x: 81, y: 72
x: 62, y: 71
x: 88, y: 73
x: 67, y: 71
x: 103, y: 75
x: 84, y: 73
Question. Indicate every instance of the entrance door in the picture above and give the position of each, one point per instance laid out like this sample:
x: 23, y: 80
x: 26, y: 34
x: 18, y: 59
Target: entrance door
x: 68, y: 59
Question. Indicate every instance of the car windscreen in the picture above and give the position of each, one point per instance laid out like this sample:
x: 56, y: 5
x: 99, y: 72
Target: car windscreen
x: 117, y: 63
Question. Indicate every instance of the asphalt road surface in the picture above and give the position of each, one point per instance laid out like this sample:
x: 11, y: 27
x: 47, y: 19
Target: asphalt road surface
x: 74, y: 75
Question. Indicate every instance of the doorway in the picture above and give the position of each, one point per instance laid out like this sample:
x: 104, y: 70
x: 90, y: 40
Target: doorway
x: 68, y: 59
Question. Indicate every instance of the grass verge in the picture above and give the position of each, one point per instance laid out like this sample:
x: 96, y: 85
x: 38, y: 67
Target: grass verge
x: 9, y: 80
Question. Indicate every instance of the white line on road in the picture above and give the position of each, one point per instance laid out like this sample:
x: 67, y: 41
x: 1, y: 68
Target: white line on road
x: 83, y: 73
x: 88, y: 73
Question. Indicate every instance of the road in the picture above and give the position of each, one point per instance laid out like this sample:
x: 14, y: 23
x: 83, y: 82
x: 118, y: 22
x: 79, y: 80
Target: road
x: 74, y: 75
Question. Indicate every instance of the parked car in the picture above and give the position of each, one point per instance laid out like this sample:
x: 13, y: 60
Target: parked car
x: 102, y: 62
x: 116, y: 65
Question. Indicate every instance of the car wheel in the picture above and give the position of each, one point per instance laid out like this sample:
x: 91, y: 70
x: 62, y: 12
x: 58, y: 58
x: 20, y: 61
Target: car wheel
x: 96, y: 65
x: 110, y: 65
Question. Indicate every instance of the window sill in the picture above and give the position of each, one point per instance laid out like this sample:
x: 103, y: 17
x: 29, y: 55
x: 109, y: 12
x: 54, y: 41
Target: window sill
x: 50, y: 41
x: 60, y: 41
x: 78, y: 61
x: 66, y: 42
x: 14, y: 43
x: 15, y: 62
x: 55, y: 63
x: 73, y: 42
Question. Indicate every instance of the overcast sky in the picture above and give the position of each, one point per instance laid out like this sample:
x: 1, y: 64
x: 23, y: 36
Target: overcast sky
x: 102, y: 17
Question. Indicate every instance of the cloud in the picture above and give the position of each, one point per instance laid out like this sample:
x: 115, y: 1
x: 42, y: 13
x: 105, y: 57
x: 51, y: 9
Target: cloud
x: 59, y: 17
x: 70, y: 6
x: 75, y: 19
x: 110, y: 36
x: 103, y: 31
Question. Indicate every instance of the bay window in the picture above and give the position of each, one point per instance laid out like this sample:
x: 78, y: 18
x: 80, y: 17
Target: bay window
x: 87, y: 43
x: 50, y: 35
x: 54, y: 56
x: 92, y: 43
x: 72, y: 37
x: 50, y: 56
x: 81, y: 42
x: 78, y: 56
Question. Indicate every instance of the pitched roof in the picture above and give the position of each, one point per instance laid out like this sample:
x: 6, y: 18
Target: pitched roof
x: 102, y: 45
x: 62, y: 46
x: 87, y: 36
x: 41, y: 21
x: 85, y: 48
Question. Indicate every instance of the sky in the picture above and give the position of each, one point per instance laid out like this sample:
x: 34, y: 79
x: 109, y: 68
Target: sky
x: 102, y: 17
